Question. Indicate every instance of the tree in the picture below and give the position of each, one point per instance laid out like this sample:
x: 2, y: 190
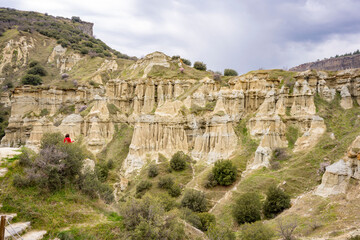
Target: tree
x: 30, y: 79
x: 247, y: 208
x: 276, y: 202
x: 230, y: 72
x: 186, y: 61
x: 178, y: 161
x: 200, y: 66
x: 37, y: 70
x: 224, y: 172
x: 194, y: 200
x: 256, y: 231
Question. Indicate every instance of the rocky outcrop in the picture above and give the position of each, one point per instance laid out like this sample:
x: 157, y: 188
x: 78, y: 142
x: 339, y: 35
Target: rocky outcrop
x: 15, y: 54
x: 170, y: 115
x: 332, y: 64
x: 337, y: 176
x: 64, y: 61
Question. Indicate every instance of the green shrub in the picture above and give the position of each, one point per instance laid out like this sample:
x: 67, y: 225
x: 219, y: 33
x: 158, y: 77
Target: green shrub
x: 222, y: 232
x: 210, y: 181
x: 153, y: 171
x: 194, y: 200
x: 186, y: 62
x: 224, y: 172
x: 276, y: 202
x: 30, y: 79
x: 142, y: 187
x: 146, y: 219
x: 174, y: 190
x: 33, y: 64
x: 200, y: 66
x: 230, y: 72
x: 256, y: 231
x: 102, y: 171
x: 247, y: 208
x: 354, y: 237
x: 178, y: 161
x: 44, y: 112
x: 206, y: 219
x: 90, y: 185
x: 84, y: 50
x: 37, y: 70
x: 166, y: 182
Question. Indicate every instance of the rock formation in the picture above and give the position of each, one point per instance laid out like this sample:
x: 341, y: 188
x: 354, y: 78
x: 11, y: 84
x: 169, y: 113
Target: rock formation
x: 170, y: 115
x: 337, y: 176
x: 332, y: 64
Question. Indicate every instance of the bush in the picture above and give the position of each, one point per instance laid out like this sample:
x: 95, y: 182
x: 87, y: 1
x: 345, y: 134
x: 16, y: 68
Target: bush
x: 224, y: 172
x: 142, y: 187
x: 200, y: 66
x: 174, y: 190
x: 153, y: 171
x: 33, y: 64
x: 166, y: 182
x: 146, y: 219
x: 276, y: 202
x: 230, y: 72
x: 206, y: 219
x: 178, y: 161
x: 247, y: 208
x: 186, y: 62
x: 102, y: 171
x: 90, y: 185
x: 30, y: 79
x: 84, y: 50
x: 194, y: 200
x: 210, y: 181
x: 37, y: 70
x: 256, y: 231
x: 222, y: 232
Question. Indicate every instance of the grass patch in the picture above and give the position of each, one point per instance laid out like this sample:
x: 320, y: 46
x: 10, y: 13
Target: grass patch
x: 292, y: 134
x: 118, y: 148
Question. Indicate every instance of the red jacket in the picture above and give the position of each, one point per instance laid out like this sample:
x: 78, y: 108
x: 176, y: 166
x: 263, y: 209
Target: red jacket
x: 67, y: 140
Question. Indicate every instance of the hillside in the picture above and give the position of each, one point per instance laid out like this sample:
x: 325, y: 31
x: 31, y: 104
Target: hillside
x: 331, y: 64
x: 151, y: 139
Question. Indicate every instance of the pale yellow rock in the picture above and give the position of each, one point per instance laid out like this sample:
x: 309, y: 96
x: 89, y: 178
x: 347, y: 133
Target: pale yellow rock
x: 18, y: 50
x: 312, y: 135
x: 218, y: 141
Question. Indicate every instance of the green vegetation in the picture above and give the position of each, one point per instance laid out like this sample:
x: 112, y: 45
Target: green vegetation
x: 197, y: 110
x: 147, y: 219
x: 185, y: 61
x: 65, y: 31
x: 247, y: 208
x: 166, y: 182
x: 276, y: 202
x: 112, y: 108
x: 256, y: 231
x: 142, y: 187
x: 200, y: 66
x: 194, y: 200
x: 224, y: 172
x: 292, y: 134
x: 153, y: 171
x: 4, y: 118
x: 230, y: 72
x: 59, y: 164
x: 179, y: 160
x: 30, y: 79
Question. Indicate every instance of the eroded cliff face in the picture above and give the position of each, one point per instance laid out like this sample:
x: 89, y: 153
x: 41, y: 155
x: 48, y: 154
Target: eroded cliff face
x: 169, y: 115
x: 332, y: 64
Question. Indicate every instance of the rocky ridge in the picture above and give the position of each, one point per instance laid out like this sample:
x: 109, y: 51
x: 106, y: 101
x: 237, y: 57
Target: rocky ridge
x: 170, y: 115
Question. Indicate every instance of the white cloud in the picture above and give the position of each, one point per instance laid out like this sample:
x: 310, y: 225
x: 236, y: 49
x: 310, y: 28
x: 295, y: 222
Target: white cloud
x: 244, y: 35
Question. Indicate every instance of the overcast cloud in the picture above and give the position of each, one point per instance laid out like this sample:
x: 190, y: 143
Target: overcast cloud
x: 240, y: 34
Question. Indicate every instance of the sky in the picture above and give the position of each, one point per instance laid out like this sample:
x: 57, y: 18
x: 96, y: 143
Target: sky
x: 243, y: 35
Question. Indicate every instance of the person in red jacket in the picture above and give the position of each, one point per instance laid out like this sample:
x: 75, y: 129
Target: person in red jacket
x: 67, y: 139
